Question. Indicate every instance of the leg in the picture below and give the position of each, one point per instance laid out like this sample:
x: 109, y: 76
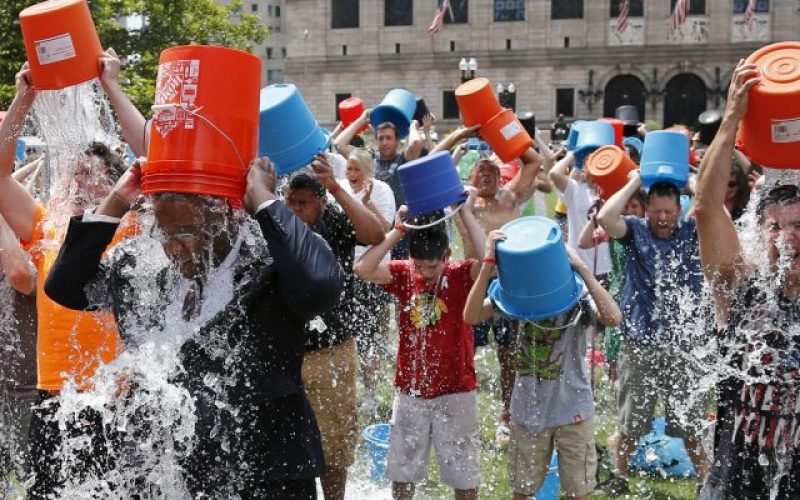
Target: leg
x: 333, y: 483
x: 466, y: 494
x: 697, y: 455
x: 577, y: 458
x: 409, y: 444
x: 402, y: 491
x: 456, y: 437
x: 529, y: 456
x: 505, y: 333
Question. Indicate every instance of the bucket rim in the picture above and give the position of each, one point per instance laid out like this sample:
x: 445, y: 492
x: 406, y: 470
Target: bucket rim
x: 496, y: 294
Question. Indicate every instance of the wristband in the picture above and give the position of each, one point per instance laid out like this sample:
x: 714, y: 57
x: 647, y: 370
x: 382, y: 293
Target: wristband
x: 335, y: 188
x: 401, y: 228
x: 489, y: 260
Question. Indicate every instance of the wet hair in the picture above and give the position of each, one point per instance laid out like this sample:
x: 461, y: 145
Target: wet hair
x: 640, y: 196
x: 664, y: 189
x: 364, y: 160
x: 114, y: 163
x: 484, y: 161
x: 428, y: 244
x: 384, y: 126
x: 357, y: 141
x: 742, y: 190
x: 787, y: 194
x: 305, y: 181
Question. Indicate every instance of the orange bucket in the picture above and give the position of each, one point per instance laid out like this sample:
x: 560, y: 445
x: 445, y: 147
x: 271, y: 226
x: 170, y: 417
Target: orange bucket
x: 61, y: 43
x: 477, y: 102
x: 205, y: 125
x: 770, y: 131
x: 618, y: 126
x: 608, y: 168
x: 506, y: 135
x: 351, y: 110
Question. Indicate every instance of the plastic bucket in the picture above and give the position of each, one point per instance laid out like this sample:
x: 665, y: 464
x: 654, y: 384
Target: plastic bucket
x: 477, y: 101
x: 574, y: 132
x: 351, y: 110
x: 709, y: 122
x: 608, y: 168
x: 550, y: 488
x: 431, y: 183
x: 288, y: 133
x: 618, y: 127
x: 397, y: 108
x: 506, y: 135
x: 657, y: 453
x: 535, y: 279
x: 770, y: 131
x: 635, y: 143
x: 629, y: 116
x: 665, y: 158
x: 61, y: 43
x: 205, y: 126
x: 421, y: 110
x: 377, y: 438
x: 592, y: 136
x: 528, y: 121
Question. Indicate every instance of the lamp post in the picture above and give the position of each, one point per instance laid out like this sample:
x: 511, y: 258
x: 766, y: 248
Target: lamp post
x: 654, y: 93
x: 717, y: 92
x: 507, y: 95
x: 468, y: 68
x: 590, y: 95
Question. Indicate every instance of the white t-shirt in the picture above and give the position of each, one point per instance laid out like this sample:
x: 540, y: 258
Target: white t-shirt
x: 383, y: 199
x: 578, y: 200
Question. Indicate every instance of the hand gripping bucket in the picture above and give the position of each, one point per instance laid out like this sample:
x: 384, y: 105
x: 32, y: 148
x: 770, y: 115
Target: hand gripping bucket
x: 431, y: 183
x: 608, y: 168
x: 665, y: 158
x: 592, y: 136
x: 618, y: 126
x: 574, y: 132
x: 351, y: 110
x: 535, y: 279
x: 377, y: 439
x: 205, y: 125
x: 506, y: 135
x: 397, y: 108
x: 477, y: 102
x: 288, y: 133
x: 61, y: 43
x: 770, y: 131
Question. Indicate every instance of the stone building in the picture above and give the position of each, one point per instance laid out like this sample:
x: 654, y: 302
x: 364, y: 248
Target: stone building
x: 273, y: 50
x: 562, y: 56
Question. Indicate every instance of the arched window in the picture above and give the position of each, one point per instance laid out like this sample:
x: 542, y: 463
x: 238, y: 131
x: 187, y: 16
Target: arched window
x: 622, y: 90
x: 684, y: 100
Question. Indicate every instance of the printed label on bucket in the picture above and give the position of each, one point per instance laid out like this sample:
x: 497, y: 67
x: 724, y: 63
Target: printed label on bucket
x: 176, y: 83
x: 54, y: 49
x: 511, y: 130
x: 786, y: 130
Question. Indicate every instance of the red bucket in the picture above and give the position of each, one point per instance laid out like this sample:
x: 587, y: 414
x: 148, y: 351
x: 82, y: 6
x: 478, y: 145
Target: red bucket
x: 351, y: 110
x: 205, y: 126
x: 619, y: 127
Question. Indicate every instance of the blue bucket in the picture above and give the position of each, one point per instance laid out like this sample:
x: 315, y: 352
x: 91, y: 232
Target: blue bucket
x: 593, y: 135
x: 288, y: 133
x: 658, y: 452
x: 431, y: 183
x: 397, y: 108
x: 535, y: 279
x: 635, y: 143
x: 552, y: 483
x: 377, y: 439
x: 574, y: 132
x: 665, y: 158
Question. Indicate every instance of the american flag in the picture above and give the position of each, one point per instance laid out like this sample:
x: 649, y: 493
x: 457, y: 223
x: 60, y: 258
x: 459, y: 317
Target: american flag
x: 438, y: 19
x: 679, y: 14
x: 622, y: 20
x: 749, y: 13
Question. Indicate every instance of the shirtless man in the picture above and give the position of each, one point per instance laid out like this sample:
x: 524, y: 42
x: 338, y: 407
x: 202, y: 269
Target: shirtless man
x: 495, y: 206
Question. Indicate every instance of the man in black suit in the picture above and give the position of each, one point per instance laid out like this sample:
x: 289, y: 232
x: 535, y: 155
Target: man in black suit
x: 248, y: 297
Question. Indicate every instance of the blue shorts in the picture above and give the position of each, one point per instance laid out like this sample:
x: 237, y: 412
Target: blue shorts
x: 505, y: 331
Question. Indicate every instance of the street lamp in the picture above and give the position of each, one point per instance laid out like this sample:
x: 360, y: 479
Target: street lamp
x: 468, y: 68
x: 507, y: 94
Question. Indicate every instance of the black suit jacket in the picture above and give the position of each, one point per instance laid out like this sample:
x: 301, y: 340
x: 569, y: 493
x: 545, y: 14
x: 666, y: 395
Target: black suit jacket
x: 257, y: 426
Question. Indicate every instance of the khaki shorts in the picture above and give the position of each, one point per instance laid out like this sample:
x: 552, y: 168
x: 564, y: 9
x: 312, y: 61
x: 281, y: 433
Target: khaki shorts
x: 449, y: 422
x: 648, y: 373
x: 529, y: 457
x: 329, y: 377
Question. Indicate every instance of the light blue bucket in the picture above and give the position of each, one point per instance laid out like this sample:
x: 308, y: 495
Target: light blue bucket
x: 397, y: 108
x: 657, y: 452
x: 552, y: 483
x: 574, y: 132
x: 665, y: 158
x: 535, y: 278
x: 287, y: 131
x: 377, y: 439
x: 593, y: 135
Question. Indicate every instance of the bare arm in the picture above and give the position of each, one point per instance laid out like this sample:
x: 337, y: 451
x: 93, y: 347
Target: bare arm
x: 558, y: 174
x: 24, y: 172
x: 720, y: 249
x: 543, y: 184
x: 427, y: 120
x: 610, y: 216
x: 342, y: 141
x: 130, y: 119
x: 14, y: 261
x: 589, y: 233
x: 478, y: 308
x: 523, y: 184
x: 608, y: 312
x: 415, y: 142
x: 456, y: 137
x: 369, y: 266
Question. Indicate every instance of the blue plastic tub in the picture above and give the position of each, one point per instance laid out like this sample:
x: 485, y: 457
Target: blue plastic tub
x: 593, y: 135
x: 657, y: 452
x: 552, y: 483
x: 397, y: 108
x: 287, y: 131
x: 665, y: 158
x: 574, y: 132
x: 431, y: 183
x: 377, y: 438
x: 19, y: 154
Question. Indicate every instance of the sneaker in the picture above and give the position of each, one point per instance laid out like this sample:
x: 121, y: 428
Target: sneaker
x: 369, y: 404
x: 614, y: 486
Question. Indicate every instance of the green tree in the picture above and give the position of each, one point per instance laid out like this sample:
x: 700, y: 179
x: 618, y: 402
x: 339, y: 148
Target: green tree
x: 167, y: 23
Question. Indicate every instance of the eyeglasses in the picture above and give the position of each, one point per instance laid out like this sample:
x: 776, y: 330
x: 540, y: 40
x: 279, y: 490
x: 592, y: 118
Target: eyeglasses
x: 184, y: 237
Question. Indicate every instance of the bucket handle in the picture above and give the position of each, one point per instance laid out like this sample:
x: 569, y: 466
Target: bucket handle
x: 438, y: 221
x: 563, y: 327
x: 172, y: 105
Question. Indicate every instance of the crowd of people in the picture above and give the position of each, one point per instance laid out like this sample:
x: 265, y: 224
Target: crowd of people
x: 292, y: 292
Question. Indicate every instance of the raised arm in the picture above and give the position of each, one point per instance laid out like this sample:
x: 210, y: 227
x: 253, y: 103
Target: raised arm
x: 369, y: 267
x: 720, y: 249
x: 558, y: 174
x: 342, y: 141
x: 474, y: 231
x: 14, y: 261
x: 456, y: 137
x: 415, y: 142
x: 591, y: 233
x: 16, y: 203
x: 522, y: 186
x: 130, y: 119
x: 610, y: 216
x: 478, y: 308
x: 608, y: 312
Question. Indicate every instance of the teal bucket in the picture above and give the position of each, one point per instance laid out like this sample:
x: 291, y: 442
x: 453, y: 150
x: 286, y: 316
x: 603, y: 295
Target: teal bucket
x: 397, y: 108
x: 377, y: 438
x: 552, y: 483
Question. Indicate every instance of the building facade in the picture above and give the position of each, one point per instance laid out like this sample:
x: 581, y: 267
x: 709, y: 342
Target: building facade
x: 272, y: 50
x: 570, y: 57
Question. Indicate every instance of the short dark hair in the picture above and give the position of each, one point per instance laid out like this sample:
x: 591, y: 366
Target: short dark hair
x: 305, y: 181
x: 428, y: 244
x: 386, y: 125
x: 787, y: 194
x: 664, y: 189
x: 113, y: 162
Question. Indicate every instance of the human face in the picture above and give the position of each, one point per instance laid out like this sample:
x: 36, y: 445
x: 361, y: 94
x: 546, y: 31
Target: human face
x: 387, y: 143
x: 305, y: 204
x: 733, y: 187
x: 182, y: 228
x: 486, y: 179
x: 633, y: 207
x: 430, y: 269
x: 355, y: 175
x: 782, y: 226
x: 662, y: 215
